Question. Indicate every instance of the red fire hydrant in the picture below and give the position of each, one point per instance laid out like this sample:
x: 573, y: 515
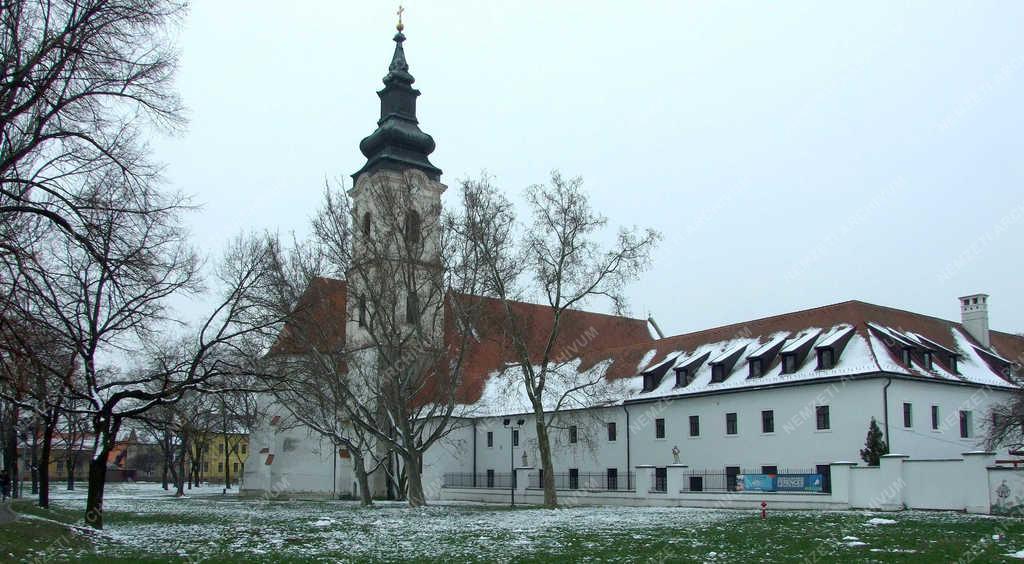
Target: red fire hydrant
x: 764, y: 510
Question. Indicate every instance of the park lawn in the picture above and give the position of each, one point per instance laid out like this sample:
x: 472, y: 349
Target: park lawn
x: 146, y: 524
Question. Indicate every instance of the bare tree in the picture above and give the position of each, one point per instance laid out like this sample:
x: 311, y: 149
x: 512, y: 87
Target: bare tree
x: 80, y: 80
x: 393, y: 380
x: 556, y: 257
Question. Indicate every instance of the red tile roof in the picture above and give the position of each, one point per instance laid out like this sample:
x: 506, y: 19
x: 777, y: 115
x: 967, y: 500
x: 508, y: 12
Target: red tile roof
x: 620, y: 341
x: 324, y: 306
x: 624, y: 359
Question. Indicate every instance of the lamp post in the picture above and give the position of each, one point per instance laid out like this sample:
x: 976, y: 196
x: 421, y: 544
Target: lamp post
x: 512, y: 453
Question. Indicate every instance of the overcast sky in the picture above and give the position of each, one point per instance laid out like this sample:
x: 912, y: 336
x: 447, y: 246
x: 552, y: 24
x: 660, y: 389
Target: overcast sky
x: 793, y: 154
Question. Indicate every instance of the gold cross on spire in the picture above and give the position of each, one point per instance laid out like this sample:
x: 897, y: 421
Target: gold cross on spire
x: 400, y: 26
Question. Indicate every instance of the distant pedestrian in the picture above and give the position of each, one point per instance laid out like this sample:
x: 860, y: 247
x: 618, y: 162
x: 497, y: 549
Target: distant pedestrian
x: 5, y: 485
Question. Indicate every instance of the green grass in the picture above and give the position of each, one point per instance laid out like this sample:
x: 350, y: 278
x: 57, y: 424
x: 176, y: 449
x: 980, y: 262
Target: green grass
x: 216, y: 529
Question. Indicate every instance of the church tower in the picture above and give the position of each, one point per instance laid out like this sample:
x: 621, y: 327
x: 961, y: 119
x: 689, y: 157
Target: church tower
x: 396, y: 199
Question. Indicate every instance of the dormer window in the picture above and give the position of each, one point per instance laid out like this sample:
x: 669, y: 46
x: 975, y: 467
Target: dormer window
x: 826, y: 359
x: 905, y: 356
x: 952, y: 365
x: 717, y: 373
x: 927, y: 360
x: 682, y: 377
x: 650, y: 382
x: 756, y: 368
x: 788, y: 363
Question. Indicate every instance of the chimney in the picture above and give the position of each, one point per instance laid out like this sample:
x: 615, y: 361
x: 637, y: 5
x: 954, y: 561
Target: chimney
x: 974, y: 317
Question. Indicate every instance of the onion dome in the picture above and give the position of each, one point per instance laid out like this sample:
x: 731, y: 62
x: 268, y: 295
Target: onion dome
x: 398, y: 143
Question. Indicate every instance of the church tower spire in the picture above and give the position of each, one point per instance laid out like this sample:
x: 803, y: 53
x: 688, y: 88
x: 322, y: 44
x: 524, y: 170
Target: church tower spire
x: 398, y: 143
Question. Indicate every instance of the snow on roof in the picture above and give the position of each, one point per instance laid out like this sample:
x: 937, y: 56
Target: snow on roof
x: 869, y: 350
x: 772, y: 343
x: 811, y: 334
x: 837, y: 335
x: 729, y: 352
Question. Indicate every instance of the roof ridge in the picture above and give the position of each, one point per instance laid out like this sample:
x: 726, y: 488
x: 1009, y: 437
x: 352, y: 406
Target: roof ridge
x: 534, y: 304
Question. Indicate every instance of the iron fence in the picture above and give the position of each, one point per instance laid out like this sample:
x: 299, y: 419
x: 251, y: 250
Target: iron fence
x: 594, y: 481
x: 500, y: 480
x: 724, y: 480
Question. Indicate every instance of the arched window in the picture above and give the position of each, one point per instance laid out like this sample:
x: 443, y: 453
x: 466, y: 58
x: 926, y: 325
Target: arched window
x: 412, y: 308
x: 412, y: 227
x: 366, y: 225
x: 362, y: 310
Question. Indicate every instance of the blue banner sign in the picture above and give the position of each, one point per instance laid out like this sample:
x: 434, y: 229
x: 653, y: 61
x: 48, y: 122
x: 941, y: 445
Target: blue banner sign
x: 778, y: 483
x: 757, y: 483
x: 798, y: 483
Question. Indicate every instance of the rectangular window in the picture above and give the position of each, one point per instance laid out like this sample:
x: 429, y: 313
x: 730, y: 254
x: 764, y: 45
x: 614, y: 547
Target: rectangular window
x: 769, y: 469
x: 220, y: 448
x: 935, y: 418
x: 694, y: 425
x: 682, y: 378
x: 573, y: 434
x: 490, y: 439
x: 768, y: 421
x: 611, y: 431
x: 788, y: 363
x: 756, y: 368
x: 717, y: 373
x: 613, y: 478
x: 906, y: 357
x: 965, y: 425
x: 927, y: 356
x: 234, y: 468
x: 243, y: 448
x: 822, y: 415
x: 730, y: 424
x: 220, y: 466
x: 574, y: 478
x: 515, y: 437
x: 908, y: 415
x: 206, y: 467
x: 826, y: 359
x: 659, y: 428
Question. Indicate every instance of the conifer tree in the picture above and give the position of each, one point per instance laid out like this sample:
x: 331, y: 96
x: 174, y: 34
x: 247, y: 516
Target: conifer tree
x: 874, y: 446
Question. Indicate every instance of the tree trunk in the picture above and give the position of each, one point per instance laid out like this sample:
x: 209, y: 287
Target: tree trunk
x: 97, y: 481
x: 44, y: 458
x: 548, y: 471
x: 414, y: 479
x: 227, y: 463
x: 12, y: 455
x: 359, y: 465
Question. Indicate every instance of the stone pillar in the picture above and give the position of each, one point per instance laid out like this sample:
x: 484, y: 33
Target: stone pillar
x: 842, y: 481
x: 674, y: 474
x: 976, y: 486
x: 523, y: 480
x: 644, y: 479
x: 891, y: 484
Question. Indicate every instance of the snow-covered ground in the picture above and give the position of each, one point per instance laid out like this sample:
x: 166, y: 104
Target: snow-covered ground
x: 143, y: 518
x: 209, y: 523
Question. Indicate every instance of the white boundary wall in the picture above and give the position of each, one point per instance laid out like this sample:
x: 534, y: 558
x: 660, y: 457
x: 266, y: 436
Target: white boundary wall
x: 972, y: 483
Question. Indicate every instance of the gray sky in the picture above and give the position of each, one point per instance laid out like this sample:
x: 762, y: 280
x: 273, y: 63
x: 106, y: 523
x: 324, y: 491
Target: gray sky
x: 793, y: 154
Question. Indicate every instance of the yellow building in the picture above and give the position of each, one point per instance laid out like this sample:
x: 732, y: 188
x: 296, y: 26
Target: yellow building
x: 223, y: 455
